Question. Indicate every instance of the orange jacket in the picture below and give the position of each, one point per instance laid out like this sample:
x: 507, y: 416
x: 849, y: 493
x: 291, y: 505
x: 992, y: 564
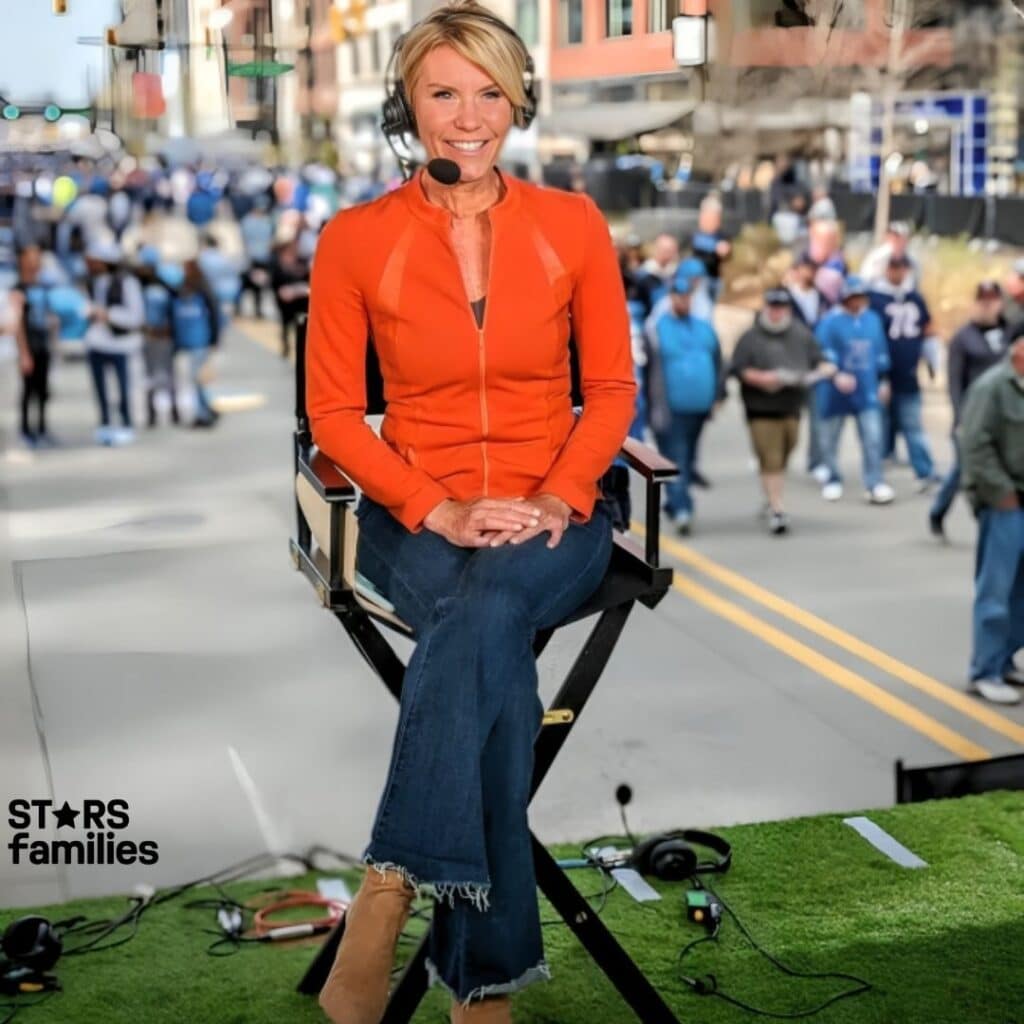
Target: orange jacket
x: 470, y: 412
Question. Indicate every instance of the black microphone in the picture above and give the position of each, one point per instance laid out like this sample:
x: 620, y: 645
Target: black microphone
x: 445, y: 171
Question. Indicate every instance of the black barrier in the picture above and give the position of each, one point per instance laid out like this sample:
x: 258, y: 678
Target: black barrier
x: 1008, y: 220
x: 955, y: 215
x: 948, y: 216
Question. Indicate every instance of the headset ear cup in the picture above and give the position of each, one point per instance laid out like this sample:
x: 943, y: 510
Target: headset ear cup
x: 33, y: 942
x: 673, y: 860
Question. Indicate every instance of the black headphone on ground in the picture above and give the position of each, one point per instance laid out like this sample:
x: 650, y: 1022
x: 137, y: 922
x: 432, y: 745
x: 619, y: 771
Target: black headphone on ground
x: 31, y: 942
x: 396, y: 113
x: 670, y: 856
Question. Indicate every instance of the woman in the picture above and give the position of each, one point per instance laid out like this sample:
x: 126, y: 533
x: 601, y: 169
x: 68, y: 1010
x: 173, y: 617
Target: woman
x: 479, y: 518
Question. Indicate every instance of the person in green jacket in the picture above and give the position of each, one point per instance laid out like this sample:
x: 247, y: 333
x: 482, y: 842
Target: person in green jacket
x: 992, y: 443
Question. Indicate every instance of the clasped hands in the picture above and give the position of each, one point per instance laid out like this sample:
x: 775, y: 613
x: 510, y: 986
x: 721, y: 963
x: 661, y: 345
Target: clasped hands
x: 490, y: 522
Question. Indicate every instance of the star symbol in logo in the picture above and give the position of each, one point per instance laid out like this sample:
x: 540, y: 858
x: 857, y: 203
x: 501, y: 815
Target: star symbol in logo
x: 65, y: 815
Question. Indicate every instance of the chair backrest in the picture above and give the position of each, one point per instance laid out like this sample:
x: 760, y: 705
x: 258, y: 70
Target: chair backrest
x: 375, y: 403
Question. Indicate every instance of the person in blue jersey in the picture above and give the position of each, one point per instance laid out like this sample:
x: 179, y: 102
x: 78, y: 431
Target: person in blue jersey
x: 853, y: 340
x: 710, y: 244
x: 196, y: 326
x: 908, y: 326
x: 685, y: 380
x: 158, y: 288
x: 34, y: 327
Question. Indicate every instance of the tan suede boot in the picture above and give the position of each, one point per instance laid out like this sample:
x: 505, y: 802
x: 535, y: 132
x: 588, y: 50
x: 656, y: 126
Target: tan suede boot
x: 356, y: 990
x: 496, y: 1010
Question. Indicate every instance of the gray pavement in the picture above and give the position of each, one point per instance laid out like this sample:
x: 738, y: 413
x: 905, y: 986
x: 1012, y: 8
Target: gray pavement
x: 158, y: 647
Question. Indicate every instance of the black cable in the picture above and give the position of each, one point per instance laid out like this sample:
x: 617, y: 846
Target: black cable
x: 708, y: 986
x: 15, y: 1007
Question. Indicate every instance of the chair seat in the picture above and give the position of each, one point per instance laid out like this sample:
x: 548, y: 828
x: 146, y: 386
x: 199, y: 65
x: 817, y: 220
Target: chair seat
x: 629, y: 577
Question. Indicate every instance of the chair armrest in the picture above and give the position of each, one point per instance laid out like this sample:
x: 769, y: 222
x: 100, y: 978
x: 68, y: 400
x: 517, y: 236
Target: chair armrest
x: 328, y: 481
x: 650, y: 464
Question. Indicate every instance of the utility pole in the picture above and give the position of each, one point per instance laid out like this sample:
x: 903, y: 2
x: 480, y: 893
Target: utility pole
x: 901, y: 11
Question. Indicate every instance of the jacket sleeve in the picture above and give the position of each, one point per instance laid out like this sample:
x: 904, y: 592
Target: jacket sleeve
x: 985, y: 476
x: 601, y: 328
x: 336, y: 388
x: 130, y: 315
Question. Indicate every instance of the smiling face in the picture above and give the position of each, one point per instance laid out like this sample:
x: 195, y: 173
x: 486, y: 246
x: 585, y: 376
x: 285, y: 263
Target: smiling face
x: 461, y: 114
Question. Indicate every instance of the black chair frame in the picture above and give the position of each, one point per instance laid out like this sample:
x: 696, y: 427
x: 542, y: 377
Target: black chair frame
x: 634, y: 574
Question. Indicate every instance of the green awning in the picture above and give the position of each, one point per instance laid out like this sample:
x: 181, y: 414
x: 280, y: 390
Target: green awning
x: 259, y: 69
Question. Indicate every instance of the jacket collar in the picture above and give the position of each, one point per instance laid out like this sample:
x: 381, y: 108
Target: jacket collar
x: 438, y: 216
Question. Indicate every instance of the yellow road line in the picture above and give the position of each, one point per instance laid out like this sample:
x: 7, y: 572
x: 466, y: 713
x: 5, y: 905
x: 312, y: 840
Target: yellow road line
x: 847, y: 641
x: 834, y: 672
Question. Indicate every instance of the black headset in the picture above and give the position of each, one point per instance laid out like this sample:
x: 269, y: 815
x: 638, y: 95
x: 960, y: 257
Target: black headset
x: 396, y: 113
x: 670, y: 856
x: 32, y: 942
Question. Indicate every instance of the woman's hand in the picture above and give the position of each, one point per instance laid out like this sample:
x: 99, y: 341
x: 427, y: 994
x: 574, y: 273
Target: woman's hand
x: 472, y: 524
x: 555, y: 513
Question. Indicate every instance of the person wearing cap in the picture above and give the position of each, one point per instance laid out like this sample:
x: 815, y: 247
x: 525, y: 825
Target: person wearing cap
x: 908, y: 325
x: 684, y: 374
x: 992, y: 447
x: 117, y: 316
x: 897, y: 239
x: 776, y: 360
x: 1013, y: 295
x: 853, y: 340
x: 809, y: 305
x: 977, y: 346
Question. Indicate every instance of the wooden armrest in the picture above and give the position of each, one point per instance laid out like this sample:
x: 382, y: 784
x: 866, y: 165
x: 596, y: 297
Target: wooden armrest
x: 647, y: 462
x: 328, y: 481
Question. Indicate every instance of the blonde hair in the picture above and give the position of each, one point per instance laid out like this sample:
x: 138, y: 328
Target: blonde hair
x: 470, y: 29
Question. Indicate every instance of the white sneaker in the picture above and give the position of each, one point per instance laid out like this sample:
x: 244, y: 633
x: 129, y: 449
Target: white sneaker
x: 821, y: 474
x: 681, y: 521
x: 994, y: 690
x: 104, y: 435
x: 832, y: 491
x: 881, y: 494
x: 121, y: 436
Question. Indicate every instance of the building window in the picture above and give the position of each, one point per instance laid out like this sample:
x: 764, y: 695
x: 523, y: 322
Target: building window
x: 660, y: 14
x: 619, y: 17
x: 375, y: 41
x: 356, y: 68
x: 527, y: 22
x: 570, y: 22
x: 794, y: 14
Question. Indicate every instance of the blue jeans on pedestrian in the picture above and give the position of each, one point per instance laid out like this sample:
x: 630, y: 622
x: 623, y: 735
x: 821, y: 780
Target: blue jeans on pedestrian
x: 998, y: 592
x: 903, y: 416
x: 98, y: 363
x: 197, y: 360
x: 815, y: 449
x: 679, y: 445
x: 950, y: 486
x: 453, y: 815
x: 869, y: 429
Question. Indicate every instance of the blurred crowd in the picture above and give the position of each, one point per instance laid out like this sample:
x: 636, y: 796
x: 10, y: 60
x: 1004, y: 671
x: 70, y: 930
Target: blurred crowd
x: 141, y: 266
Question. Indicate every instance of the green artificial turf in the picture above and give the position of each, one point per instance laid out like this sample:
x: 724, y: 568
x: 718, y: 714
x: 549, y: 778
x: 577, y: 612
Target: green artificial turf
x: 940, y: 945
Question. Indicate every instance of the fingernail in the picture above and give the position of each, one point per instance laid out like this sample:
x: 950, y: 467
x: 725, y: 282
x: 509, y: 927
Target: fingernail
x: 534, y: 522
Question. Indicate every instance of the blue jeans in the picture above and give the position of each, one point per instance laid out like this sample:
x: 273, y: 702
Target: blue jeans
x: 869, y: 429
x: 98, y: 363
x: 950, y: 485
x: 197, y: 359
x: 904, y: 417
x: 453, y: 814
x: 679, y: 445
x: 815, y: 449
x: 998, y: 592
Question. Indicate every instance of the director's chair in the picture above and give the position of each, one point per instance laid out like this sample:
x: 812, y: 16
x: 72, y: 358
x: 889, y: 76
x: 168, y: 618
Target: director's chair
x: 324, y: 550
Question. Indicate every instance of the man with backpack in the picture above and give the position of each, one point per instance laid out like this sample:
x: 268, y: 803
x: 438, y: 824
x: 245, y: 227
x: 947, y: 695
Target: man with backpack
x: 684, y: 364
x: 196, y: 327
x: 117, y: 316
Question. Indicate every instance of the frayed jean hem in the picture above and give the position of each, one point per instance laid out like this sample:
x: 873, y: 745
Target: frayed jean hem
x: 445, y: 892
x: 541, y: 972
